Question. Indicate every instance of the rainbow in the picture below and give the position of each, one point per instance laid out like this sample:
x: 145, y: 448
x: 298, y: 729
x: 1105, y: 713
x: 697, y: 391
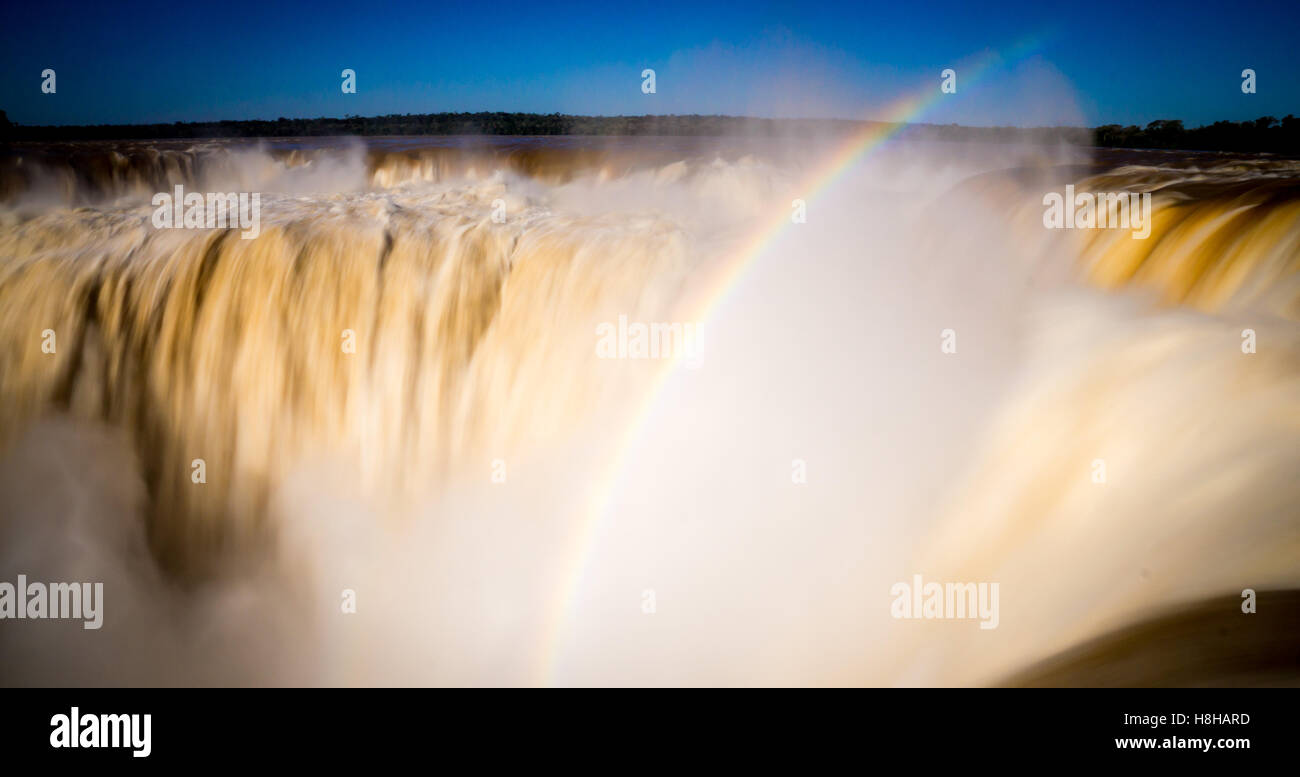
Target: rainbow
x: 715, y: 292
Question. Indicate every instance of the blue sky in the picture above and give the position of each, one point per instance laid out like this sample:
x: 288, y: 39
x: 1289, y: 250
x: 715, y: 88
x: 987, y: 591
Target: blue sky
x: 1127, y: 62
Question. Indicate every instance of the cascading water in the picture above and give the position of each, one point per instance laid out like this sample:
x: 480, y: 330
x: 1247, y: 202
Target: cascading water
x: 396, y: 390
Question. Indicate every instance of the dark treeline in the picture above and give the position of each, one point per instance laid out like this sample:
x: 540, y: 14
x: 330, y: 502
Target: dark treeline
x: 1263, y: 134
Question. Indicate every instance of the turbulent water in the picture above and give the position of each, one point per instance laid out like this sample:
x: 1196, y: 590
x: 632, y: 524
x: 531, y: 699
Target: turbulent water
x: 396, y: 393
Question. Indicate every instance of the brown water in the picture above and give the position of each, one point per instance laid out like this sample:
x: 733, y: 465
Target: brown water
x: 372, y: 469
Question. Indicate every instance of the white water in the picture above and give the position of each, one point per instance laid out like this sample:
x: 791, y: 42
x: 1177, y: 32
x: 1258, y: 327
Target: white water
x: 373, y: 474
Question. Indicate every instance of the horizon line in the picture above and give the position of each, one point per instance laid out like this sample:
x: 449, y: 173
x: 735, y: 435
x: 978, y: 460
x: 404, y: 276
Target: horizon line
x: 556, y: 114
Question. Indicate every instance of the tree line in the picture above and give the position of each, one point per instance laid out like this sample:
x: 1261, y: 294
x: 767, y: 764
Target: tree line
x: 1263, y: 134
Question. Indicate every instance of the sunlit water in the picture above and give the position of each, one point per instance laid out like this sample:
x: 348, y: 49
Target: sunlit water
x: 509, y: 507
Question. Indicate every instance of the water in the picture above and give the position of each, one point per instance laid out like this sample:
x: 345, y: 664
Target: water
x: 505, y: 505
